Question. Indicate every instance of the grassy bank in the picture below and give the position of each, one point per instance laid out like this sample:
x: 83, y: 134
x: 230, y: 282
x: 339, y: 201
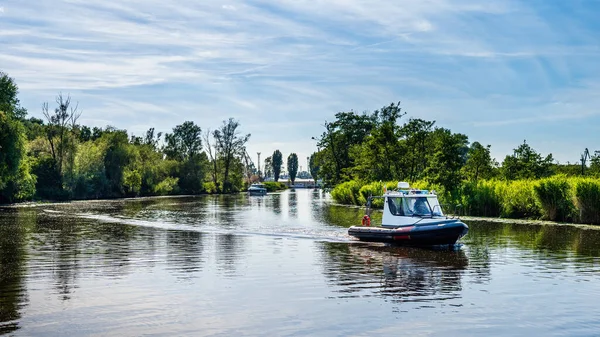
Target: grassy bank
x: 273, y: 186
x: 557, y: 198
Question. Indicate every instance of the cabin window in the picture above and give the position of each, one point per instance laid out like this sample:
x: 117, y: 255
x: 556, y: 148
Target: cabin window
x: 395, y: 206
x: 417, y: 206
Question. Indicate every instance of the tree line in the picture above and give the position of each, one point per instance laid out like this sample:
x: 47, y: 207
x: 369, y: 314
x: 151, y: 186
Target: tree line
x: 375, y: 146
x: 57, y: 158
x: 274, y: 164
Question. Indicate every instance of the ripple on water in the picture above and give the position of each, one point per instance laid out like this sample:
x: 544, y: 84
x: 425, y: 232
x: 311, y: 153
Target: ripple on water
x: 281, y: 265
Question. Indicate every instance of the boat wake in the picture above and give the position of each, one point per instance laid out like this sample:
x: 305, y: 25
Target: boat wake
x: 325, y: 235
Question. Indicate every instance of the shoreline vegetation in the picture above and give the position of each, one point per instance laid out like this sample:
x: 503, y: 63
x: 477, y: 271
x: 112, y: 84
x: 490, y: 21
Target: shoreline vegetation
x: 270, y: 185
x: 558, y: 198
x: 58, y: 159
x: 359, y: 152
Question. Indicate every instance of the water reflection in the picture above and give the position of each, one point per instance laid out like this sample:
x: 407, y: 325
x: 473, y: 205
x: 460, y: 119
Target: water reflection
x: 397, y: 273
x: 292, y: 203
x: 230, y: 249
x: 543, y: 239
x: 185, y: 252
x: 116, y: 267
x: 13, y: 237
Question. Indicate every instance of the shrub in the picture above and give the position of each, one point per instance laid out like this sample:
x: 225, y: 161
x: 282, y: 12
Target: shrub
x: 554, y: 198
x: 347, y: 193
x: 273, y: 186
x: 209, y: 187
x: 518, y: 199
x: 481, y: 198
x: 166, y: 186
x: 587, y: 200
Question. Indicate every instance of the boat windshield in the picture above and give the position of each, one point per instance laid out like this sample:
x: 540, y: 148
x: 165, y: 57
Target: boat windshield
x: 415, y: 206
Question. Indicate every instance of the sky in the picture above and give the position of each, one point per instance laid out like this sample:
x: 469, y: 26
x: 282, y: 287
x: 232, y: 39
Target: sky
x: 500, y: 71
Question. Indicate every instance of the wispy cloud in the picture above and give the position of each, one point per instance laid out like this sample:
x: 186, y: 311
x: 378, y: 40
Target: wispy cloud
x: 284, y: 67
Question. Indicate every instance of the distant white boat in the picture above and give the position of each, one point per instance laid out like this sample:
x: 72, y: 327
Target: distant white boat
x: 257, y: 189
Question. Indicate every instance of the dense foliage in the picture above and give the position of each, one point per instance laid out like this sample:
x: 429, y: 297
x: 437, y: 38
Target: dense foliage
x: 372, y: 147
x: 558, y: 198
x: 276, y: 163
x: 358, y: 151
x: 58, y: 158
x: 292, y: 166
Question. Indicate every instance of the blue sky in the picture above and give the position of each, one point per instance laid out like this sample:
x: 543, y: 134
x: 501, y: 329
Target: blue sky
x: 498, y: 71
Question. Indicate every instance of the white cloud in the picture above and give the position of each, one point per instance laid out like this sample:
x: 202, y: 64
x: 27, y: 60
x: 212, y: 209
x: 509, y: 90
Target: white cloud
x: 289, y: 63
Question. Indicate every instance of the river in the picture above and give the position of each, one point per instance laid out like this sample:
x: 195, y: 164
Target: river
x: 281, y: 265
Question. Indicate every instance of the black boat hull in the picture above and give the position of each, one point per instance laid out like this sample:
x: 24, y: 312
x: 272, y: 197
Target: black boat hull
x: 423, y: 235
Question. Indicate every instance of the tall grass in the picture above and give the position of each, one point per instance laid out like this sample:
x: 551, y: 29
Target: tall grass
x: 557, y: 198
x: 347, y: 193
x: 587, y: 200
x: 481, y: 198
x: 518, y: 199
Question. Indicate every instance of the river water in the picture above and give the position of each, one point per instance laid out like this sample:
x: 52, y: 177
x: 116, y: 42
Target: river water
x: 282, y: 265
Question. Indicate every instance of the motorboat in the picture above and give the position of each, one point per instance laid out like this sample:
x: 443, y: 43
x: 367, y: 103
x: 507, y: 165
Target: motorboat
x: 410, y: 217
x: 257, y: 189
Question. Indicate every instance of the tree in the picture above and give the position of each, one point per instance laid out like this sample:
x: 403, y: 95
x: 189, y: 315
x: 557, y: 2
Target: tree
x: 60, y: 124
x: 9, y: 102
x: 152, y: 139
x: 314, y: 166
x: 448, y: 155
x: 116, y: 159
x: 12, y: 152
x: 185, y: 141
x: 268, y: 167
x: 212, y: 156
x: 292, y: 166
x: 229, y: 145
x: 416, y: 134
x: 595, y: 163
x: 277, y: 163
x: 526, y: 163
x: 340, y: 137
x: 479, y: 162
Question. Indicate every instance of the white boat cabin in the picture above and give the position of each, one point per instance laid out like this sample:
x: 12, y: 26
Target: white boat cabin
x: 410, y: 206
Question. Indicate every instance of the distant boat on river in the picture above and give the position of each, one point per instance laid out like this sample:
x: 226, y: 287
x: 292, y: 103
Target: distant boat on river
x: 257, y: 189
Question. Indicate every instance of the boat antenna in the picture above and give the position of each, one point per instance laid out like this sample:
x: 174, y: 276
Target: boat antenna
x: 369, y: 204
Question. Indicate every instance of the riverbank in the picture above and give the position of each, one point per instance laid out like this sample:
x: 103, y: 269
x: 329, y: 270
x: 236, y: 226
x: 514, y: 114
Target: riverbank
x: 559, y: 198
x: 271, y: 187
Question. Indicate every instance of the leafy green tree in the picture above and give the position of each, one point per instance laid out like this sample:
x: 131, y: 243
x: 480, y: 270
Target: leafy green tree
x: 61, y: 133
x: 416, y: 135
x: 269, y: 167
x: 153, y: 138
x: 479, y: 162
x: 212, y: 157
x: 595, y: 163
x: 184, y: 145
x: 292, y: 166
x: 339, y: 139
x: 185, y: 141
x: 314, y: 166
x: 448, y: 155
x: 9, y: 101
x: 378, y: 156
x: 277, y: 163
x: 12, y: 152
x: 526, y: 163
x: 115, y: 160
x: 230, y: 146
